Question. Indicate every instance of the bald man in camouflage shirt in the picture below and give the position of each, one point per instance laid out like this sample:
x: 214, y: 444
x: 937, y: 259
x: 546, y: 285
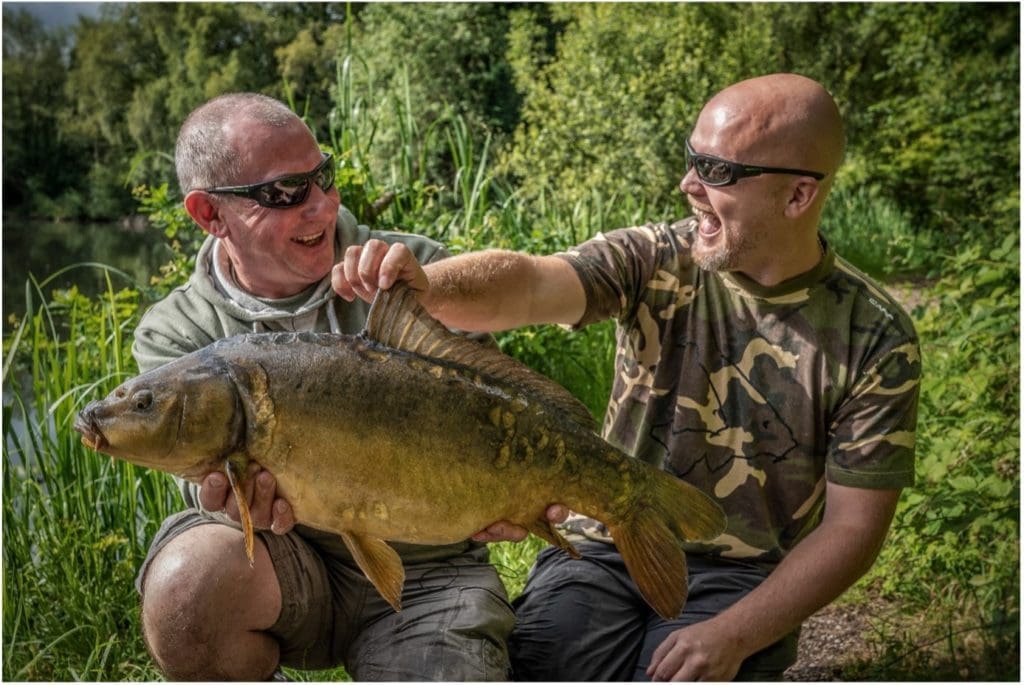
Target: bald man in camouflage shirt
x: 752, y: 361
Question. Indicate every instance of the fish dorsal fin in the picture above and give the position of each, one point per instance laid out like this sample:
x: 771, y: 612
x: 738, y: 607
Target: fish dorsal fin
x: 397, y: 319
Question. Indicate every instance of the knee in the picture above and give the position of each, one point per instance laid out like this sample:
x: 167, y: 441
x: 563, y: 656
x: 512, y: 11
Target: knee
x: 199, y: 599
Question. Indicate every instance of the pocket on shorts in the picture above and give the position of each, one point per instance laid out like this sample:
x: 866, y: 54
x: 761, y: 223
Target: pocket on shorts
x: 454, y: 634
x: 484, y: 630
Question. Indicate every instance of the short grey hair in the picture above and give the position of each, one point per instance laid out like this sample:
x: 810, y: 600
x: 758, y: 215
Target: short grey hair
x: 203, y: 155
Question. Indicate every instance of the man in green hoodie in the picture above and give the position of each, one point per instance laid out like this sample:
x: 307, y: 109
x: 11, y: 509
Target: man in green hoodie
x: 256, y: 181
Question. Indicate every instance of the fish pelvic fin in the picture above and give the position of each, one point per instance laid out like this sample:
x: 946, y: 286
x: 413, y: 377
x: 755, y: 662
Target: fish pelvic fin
x: 380, y: 563
x: 543, y: 529
x: 650, y: 539
x: 234, y: 474
x: 396, y: 319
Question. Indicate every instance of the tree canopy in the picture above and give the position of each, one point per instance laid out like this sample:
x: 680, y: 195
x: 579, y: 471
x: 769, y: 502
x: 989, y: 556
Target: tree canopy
x: 577, y: 99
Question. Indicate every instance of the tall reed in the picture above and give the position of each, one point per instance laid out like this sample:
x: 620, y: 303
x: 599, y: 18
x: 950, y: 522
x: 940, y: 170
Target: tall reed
x: 76, y: 523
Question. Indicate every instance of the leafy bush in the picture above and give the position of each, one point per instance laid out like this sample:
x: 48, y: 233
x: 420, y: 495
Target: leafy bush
x: 955, y: 546
x: 606, y: 108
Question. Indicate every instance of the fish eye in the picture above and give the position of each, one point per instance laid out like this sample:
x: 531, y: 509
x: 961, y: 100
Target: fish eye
x: 142, y: 400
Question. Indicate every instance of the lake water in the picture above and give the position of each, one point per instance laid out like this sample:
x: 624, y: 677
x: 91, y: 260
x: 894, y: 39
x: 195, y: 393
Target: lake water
x: 42, y: 249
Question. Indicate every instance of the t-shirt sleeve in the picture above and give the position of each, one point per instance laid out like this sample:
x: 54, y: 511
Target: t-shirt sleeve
x: 872, y: 436
x: 614, y: 268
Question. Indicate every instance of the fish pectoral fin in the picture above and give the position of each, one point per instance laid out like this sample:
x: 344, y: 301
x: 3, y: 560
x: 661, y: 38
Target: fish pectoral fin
x: 381, y: 565
x: 234, y: 474
x: 544, y: 529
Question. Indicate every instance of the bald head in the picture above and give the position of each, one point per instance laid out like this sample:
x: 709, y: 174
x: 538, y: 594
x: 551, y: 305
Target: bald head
x: 208, y: 152
x: 776, y: 120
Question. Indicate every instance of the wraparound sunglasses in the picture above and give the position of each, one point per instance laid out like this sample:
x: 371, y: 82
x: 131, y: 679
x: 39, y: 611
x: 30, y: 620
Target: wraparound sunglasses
x: 286, y: 191
x: 715, y: 171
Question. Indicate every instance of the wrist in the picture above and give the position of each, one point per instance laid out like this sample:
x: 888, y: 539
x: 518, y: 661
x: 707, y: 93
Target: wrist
x: 733, y: 632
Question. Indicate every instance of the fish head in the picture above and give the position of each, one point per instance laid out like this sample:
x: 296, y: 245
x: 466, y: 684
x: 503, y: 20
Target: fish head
x: 183, y: 418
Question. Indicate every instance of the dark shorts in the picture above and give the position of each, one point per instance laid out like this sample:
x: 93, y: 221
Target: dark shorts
x: 585, y: 620
x: 453, y: 626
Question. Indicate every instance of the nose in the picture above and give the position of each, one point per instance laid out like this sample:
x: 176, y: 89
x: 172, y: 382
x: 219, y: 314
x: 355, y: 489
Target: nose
x: 690, y: 184
x: 321, y: 202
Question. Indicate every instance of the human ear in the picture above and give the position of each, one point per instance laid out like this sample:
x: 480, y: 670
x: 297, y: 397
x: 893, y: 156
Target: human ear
x: 205, y: 212
x: 803, y: 193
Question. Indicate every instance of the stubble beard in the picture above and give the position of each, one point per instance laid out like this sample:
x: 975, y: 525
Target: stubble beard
x: 728, y: 256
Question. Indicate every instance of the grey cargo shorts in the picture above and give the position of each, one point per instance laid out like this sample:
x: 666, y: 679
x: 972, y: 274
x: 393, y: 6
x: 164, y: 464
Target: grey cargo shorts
x: 453, y: 626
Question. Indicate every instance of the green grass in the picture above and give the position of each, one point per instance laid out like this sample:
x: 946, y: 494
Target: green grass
x: 872, y: 233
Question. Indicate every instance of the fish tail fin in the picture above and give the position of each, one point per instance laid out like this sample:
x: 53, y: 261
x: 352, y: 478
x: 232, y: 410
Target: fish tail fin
x: 650, y: 540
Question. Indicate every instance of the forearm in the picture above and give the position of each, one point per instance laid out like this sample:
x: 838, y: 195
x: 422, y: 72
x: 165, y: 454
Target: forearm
x: 498, y: 290
x: 824, y: 564
x: 815, y: 573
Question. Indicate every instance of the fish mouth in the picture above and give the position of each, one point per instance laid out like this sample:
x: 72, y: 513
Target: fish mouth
x: 92, y: 436
x: 311, y: 240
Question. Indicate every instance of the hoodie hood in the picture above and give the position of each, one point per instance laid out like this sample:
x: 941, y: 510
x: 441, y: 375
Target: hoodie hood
x: 300, y: 310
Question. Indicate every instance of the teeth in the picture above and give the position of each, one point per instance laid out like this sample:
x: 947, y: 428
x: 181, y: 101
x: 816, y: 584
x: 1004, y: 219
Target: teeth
x: 309, y: 239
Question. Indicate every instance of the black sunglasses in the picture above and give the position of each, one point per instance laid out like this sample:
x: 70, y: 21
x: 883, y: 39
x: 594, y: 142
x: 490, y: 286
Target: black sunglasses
x: 286, y: 191
x: 715, y: 171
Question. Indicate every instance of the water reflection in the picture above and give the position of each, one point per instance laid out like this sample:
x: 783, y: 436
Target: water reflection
x: 41, y: 249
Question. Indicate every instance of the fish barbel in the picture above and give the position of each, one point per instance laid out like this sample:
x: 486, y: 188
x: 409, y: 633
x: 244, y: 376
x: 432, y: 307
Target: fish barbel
x: 408, y: 433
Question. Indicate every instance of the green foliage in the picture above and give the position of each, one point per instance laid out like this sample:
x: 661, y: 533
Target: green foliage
x: 513, y: 561
x: 77, y: 524
x: 599, y: 96
x: 37, y: 164
x: 611, y: 91
x: 452, y: 56
x: 956, y: 538
x: 167, y: 215
x: 875, y: 235
x: 944, y: 154
x: 610, y: 110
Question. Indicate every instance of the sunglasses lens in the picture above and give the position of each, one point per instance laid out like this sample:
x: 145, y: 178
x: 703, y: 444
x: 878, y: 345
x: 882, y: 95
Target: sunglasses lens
x: 713, y: 172
x: 286, y: 192
x: 325, y: 177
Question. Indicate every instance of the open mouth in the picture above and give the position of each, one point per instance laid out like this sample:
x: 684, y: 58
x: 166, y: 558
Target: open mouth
x: 708, y: 223
x: 311, y: 240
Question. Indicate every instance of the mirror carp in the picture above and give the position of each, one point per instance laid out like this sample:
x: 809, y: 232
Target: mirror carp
x: 406, y: 432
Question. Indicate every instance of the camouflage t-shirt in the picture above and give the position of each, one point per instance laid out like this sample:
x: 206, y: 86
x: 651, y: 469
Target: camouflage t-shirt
x: 756, y: 395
